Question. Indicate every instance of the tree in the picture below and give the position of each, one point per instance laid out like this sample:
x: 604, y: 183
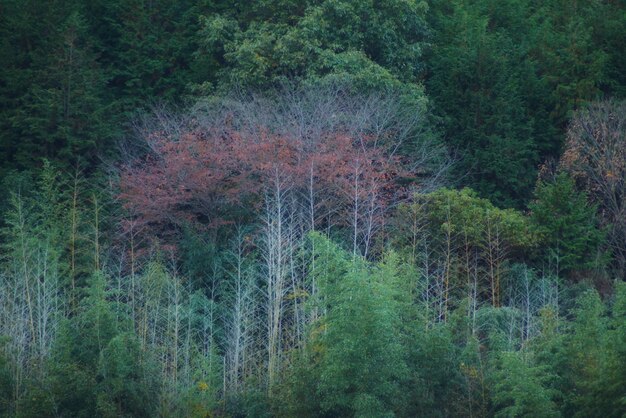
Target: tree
x: 566, y: 224
x: 595, y: 156
x: 368, y: 44
x: 278, y: 246
x: 467, y: 237
x: 179, y: 327
x: 590, y: 357
x: 570, y: 54
x: 506, y: 78
x: 519, y: 389
x: 610, y: 390
x: 6, y: 382
x: 96, y: 369
x: 241, y: 321
x: 32, y: 305
x: 341, y: 161
x: 577, y: 359
x: 435, y: 371
x: 125, y: 383
x: 475, y: 81
x: 148, y: 48
x: 57, y: 110
x: 361, y: 358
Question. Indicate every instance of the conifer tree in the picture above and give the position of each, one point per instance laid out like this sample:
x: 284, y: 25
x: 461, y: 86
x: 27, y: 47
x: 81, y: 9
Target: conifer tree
x: 566, y: 223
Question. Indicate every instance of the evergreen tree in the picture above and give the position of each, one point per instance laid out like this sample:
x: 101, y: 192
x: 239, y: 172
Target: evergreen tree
x: 506, y: 76
x: 477, y: 80
x: 587, y: 352
x: 519, y: 389
x: 54, y: 90
x: 566, y: 224
x: 610, y: 392
x: 97, y: 368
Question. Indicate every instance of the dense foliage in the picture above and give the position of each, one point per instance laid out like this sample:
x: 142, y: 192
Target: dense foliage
x: 333, y: 208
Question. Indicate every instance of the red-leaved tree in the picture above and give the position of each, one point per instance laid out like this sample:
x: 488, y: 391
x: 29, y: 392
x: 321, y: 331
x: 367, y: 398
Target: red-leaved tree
x: 336, y: 153
x: 306, y: 160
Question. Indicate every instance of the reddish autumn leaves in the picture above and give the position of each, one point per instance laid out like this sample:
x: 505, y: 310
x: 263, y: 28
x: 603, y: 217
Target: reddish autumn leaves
x: 202, y: 175
x: 330, y: 157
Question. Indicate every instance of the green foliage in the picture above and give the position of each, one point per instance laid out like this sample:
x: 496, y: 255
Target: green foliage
x: 97, y: 368
x: 6, y: 381
x: 50, y: 220
x: 566, y: 225
x: 547, y: 350
x: 464, y: 213
x: 469, y: 233
x: 519, y: 390
x: 586, y: 351
x: 569, y: 50
x: 505, y: 77
x: 474, y: 400
x: 72, y: 72
x: 124, y: 388
x: 356, y: 351
x: 148, y: 48
x: 202, y: 397
x: 362, y: 362
x: 35, y: 215
x: 200, y: 261
x: 369, y: 44
x: 611, y: 390
x: 420, y: 332
x: 436, y: 382
x: 476, y: 82
x: 498, y: 325
x: 53, y: 88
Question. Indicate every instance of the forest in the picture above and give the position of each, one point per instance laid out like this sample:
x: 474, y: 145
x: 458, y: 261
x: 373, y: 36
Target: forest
x: 313, y: 208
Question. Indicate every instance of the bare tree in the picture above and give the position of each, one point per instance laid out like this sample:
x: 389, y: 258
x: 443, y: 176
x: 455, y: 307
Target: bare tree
x: 595, y: 155
x: 326, y: 130
x: 277, y: 246
x: 30, y: 303
x: 240, y: 321
x: 301, y: 160
x: 495, y: 250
